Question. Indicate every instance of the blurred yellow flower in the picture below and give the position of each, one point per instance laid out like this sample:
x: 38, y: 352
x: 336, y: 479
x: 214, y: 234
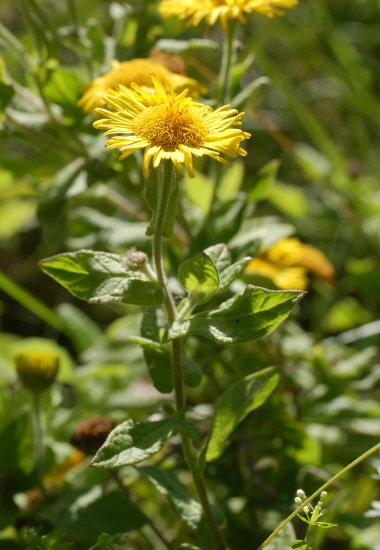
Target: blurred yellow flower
x: 37, y: 370
x: 289, y: 261
x: 137, y: 71
x: 169, y: 126
x: 212, y: 10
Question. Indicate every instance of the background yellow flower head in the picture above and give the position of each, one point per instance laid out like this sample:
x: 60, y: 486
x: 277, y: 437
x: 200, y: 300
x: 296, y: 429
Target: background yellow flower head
x: 137, y: 71
x: 169, y: 126
x: 212, y: 10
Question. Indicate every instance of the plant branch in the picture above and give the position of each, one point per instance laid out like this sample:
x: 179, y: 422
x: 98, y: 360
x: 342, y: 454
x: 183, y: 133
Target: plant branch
x: 165, y: 183
x: 318, y: 492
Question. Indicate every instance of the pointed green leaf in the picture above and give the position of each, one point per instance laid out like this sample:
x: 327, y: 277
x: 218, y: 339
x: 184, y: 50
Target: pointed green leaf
x: 325, y: 525
x: 247, y: 316
x: 199, y: 276
x: 265, y: 178
x: 132, y: 442
x: 192, y: 373
x: 99, y: 277
x: 219, y: 255
x: 234, y: 405
x: 167, y: 483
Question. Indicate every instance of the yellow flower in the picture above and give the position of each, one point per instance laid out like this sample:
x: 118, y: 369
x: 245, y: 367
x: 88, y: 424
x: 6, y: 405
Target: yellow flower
x: 212, y: 10
x: 288, y: 262
x: 137, y: 71
x: 37, y: 369
x: 169, y: 126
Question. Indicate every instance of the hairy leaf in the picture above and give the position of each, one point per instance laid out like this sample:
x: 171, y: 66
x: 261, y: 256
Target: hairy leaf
x: 132, y: 442
x: 234, y: 405
x: 247, y: 316
x: 99, y: 277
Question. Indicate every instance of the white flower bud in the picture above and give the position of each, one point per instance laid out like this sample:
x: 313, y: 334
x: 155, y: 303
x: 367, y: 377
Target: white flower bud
x: 323, y: 495
x: 298, y: 500
x: 306, y: 509
x: 301, y: 493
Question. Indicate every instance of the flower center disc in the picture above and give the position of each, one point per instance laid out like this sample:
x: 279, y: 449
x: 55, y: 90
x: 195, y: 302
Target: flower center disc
x: 171, y: 125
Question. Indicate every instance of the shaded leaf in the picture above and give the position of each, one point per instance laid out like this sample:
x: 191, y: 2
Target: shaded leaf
x: 247, y: 316
x: 99, y: 277
x: 132, y: 442
x: 235, y: 404
x: 85, y: 515
x: 188, y: 509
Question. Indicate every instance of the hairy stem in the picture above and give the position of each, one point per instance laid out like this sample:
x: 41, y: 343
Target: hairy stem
x: 165, y: 185
x: 225, y: 68
x: 38, y: 438
x: 318, y: 492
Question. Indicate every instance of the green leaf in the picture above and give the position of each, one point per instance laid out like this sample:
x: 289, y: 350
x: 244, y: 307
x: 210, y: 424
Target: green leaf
x: 158, y: 362
x: 199, y: 276
x: 300, y: 545
x: 150, y: 328
x: 257, y: 87
x: 247, y: 316
x: 62, y: 87
x: 325, y: 525
x: 235, y: 404
x: 132, y: 442
x: 265, y: 178
x: 192, y: 373
x: 99, y: 277
x: 151, y: 198
x: 188, y: 509
x: 82, y: 330
x: 220, y: 256
x: 86, y: 514
x: 231, y: 273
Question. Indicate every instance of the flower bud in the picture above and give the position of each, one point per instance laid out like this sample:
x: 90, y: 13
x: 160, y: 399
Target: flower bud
x: 298, y: 500
x: 301, y: 493
x: 134, y: 260
x: 90, y: 434
x: 37, y: 369
x: 323, y: 494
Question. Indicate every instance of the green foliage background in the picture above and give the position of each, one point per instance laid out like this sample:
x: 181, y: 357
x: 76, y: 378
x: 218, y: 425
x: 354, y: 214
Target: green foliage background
x: 312, y: 171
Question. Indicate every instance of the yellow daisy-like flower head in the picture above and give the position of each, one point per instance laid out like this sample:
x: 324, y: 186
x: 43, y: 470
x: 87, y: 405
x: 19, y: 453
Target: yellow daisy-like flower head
x: 169, y: 126
x: 212, y: 10
x: 137, y: 71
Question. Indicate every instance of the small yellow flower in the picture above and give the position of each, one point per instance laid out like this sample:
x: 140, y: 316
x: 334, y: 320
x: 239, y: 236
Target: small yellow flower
x: 37, y: 369
x: 289, y: 261
x: 212, y: 10
x: 169, y: 126
x: 137, y: 71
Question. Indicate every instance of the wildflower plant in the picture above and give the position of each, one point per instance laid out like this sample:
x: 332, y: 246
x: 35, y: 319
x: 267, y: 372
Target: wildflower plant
x: 187, y: 406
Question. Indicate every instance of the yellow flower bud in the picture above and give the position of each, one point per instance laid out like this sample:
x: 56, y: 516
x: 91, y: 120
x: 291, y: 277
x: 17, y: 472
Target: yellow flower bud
x: 37, y: 369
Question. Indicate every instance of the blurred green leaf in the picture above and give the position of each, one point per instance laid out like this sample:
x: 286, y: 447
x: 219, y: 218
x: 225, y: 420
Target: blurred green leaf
x: 100, y: 277
x: 247, y: 316
x: 158, y: 361
x: 199, y: 277
x: 168, y: 484
x: 132, y: 442
x: 85, y: 514
x: 235, y: 404
x: 264, y: 180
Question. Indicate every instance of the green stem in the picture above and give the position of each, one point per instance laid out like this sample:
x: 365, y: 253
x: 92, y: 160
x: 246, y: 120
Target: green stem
x: 38, y: 438
x: 165, y: 184
x: 225, y: 69
x: 319, y: 491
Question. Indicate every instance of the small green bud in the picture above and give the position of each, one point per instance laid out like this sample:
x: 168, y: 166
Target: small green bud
x: 323, y: 495
x: 37, y: 369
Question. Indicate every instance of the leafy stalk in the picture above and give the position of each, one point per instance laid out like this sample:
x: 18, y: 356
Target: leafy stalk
x: 318, y: 492
x: 165, y: 186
